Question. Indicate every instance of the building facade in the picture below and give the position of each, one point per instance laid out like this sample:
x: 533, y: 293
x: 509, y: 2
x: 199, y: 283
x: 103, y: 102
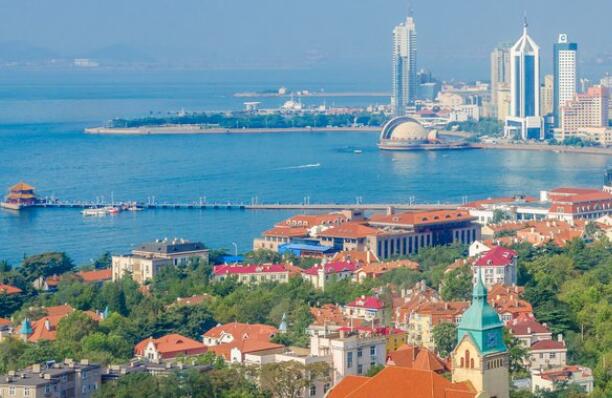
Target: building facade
x: 500, y: 73
x: 404, y: 66
x: 585, y: 110
x: 525, y: 121
x: 565, y: 62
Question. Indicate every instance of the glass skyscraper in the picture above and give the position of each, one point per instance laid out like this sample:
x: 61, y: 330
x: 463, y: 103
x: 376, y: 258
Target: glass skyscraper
x: 525, y: 121
x: 404, y: 66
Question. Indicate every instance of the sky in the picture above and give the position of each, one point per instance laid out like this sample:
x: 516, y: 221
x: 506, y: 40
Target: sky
x: 454, y: 39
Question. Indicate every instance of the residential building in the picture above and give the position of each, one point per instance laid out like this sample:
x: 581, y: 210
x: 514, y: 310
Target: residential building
x: 425, y: 317
x: 528, y: 330
x: 507, y: 302
x: 496, y: 266
x: 9, y: 290
x: 500, y: 71
x: 481, y: 356
x: 565, y: 65
x: 414, y: 357
x: 148, y: 259
x: 252, y: 274
x: 352, y: 353
x: 401, y: 382
x: 53, y: 380
x: 525, y: 121
x: 328, y: 318
x: 572, y: 204
x: 550, y: 379
x: 235, y: 331
x: 404, y: 77
x: 45, y: 328
x: 584, y: 110
x: 168, y: 347
x: 278, y: 236
x: 376, y: 270
x: 365, y: 310
x: 322, y: 273
x: 317, y: 389
x: 96, y: 276
x: 547, y: 354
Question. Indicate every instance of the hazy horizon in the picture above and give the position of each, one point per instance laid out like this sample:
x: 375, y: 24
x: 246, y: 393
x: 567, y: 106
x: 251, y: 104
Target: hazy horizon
x: 454, y: 39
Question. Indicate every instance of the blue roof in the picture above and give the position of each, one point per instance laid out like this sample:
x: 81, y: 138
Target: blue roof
x: 301, y: 246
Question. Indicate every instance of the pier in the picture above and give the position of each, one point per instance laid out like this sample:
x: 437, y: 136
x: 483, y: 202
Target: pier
x: 201, y: 205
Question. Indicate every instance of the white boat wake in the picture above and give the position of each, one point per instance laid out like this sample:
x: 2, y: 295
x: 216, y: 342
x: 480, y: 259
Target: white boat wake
x: 303, y: 166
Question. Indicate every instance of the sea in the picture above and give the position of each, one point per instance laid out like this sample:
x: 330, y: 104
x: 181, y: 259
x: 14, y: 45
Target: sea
x: 43, y: 114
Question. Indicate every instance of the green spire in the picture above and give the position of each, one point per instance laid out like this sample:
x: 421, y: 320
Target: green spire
x: 481, y: 322
x: 26, y: 328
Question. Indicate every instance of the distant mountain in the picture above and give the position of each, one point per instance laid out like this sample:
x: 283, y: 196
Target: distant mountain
x: 18, y: 51
x: 120, y: 53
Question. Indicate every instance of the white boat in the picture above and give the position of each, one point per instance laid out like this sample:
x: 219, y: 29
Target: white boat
x: 357, y: 151
x: 97, y: 212
x: 112, y: 210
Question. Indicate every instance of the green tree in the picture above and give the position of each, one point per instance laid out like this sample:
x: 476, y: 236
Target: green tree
x: 457, y: 284
x: 290, y: 379
x: 445, y: 338
x: 73, y: 328
x: 374, y: 370
x: 44, y: 265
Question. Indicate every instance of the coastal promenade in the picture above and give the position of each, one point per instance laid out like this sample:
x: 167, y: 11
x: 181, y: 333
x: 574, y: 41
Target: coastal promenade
x: 196, y: 129
x: 546, y: 147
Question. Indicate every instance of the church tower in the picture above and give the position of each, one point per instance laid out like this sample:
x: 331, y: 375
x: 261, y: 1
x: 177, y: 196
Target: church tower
x: 481, y: 356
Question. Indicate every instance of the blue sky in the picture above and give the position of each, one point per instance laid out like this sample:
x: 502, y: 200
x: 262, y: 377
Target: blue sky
x: 454, y: 36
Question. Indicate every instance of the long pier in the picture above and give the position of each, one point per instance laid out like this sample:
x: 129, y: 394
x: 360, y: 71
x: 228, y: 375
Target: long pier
x: 246, y: 206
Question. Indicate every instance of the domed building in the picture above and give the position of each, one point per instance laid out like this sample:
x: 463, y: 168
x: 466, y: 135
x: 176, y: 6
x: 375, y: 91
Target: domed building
x: 404, y: 133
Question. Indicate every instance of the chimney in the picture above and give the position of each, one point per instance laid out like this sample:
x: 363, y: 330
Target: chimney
x: 47, y: 376
x: 36, y: 368
x: 528, y: 330
x: 84, y: 361
x: 560, y: 338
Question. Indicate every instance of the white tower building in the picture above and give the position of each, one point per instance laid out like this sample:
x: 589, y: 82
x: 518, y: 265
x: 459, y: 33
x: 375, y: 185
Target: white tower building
x: 404, y: 66
x: 525, y: 120
x: 565, y: 74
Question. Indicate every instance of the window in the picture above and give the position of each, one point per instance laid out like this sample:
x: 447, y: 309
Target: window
x: 359, y: 369
x: 12, y: 390
x: 326, y: 387
x: 359, y: 352
x: 552, y: 355
x: 349, y: 359
x: 373, y: 350
x: 313, y: 391
x: 26, y: 392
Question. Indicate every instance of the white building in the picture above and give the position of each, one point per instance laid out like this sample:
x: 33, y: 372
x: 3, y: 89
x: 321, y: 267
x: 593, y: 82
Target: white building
x: 404, y: 66
x: 574, y: 374
x: 351, y: 353
x: 496, y: 266
x: 525, y: 120
x: 565, y: 74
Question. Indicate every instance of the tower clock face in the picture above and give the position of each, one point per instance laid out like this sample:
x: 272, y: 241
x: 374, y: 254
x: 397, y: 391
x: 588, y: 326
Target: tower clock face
x: 491, y: 339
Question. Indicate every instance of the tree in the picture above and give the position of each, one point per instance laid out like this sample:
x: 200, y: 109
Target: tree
x: 5, y: 267
x: 262, y: 256
x: 499, y: 216
x: 44, y: 265
x: 290, y: 379
x: 517, y: 353
x: 73, y: 327
x: 373, y: 371
x: 457, y: 284
x: 445, y: 338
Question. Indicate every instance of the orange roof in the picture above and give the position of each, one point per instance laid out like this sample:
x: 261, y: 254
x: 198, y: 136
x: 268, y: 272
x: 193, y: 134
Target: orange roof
x: 5, y: 322
x: 193, y: 300
x: 329, y: 314
x: 396, y: 382
x: 22, y: 186
x: 63, y: 309
x: 409, y: 356
x: 376, y: 269
x: 286, y: 232
x: 45, y: 328
x: 351, y: 230
x: 442, y: 311
x: 422, y: 217
x: 356, y: 256
x: 241, y: 331
x: 9, y: 290
x: 172, y: 345
x: 96, y: 276
x: 245, y: 347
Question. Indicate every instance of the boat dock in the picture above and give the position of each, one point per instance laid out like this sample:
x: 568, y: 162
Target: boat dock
x: 244, y: 206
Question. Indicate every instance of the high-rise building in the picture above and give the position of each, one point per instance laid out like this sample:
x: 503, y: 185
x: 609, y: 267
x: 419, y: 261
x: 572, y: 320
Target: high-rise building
x: 404, y: 66
x: 525, y: 121
x: 586, y: 110
x: 565, y: 61
x: 500, y: 71
x: 547, y: 95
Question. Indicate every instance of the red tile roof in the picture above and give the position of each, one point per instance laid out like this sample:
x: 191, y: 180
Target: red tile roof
x: 96, y: 276
x: 242, y: 331
x: 422, y: 217
x: 286, y: 232
x: 368, y: 302
x: 409, y: 356
x: 9, y: 290
x: 547, y: 345
x: 45, y: 328
x: 526, y: 324
x: 332, y: 268
x: 5, y: 322
x: 498, y: 256
x: 350, y: 230
x: 172, y: 345
x: 398, y: 382
x: 235, y: 269
x: 329, y: 314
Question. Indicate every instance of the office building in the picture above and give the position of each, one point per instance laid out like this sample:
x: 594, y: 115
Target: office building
x: 547, y: 95
x: 585, y: 110
x: 500, y: 72
x: 525, y: 121
x: 565, y: 62
x: 404, y: 66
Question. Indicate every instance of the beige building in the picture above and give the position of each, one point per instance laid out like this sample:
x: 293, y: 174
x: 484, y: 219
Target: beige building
x: 147, y: 259
x: 549, y: 379
x: 546, y: 95
x: 586, y: 110
x: 351, y: 353
x: 504, y: 100
x: 58, y: 380
x: 426, y: 316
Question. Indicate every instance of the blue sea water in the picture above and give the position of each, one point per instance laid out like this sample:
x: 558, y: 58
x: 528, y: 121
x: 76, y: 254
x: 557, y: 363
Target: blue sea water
x: 43, y: 114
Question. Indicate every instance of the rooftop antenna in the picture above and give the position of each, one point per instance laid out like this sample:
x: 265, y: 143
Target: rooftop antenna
x: 525, y: 24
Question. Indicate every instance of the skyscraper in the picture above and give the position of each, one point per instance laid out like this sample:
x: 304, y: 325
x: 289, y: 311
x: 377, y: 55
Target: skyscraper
x: 404, y: 66
x: 500, y: 71
x: 546, y: 95
x: 565, y: 60
x: 525, y: 120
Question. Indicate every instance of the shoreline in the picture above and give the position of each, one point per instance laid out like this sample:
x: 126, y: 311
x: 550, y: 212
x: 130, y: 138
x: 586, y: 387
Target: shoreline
x: 546, y: 148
